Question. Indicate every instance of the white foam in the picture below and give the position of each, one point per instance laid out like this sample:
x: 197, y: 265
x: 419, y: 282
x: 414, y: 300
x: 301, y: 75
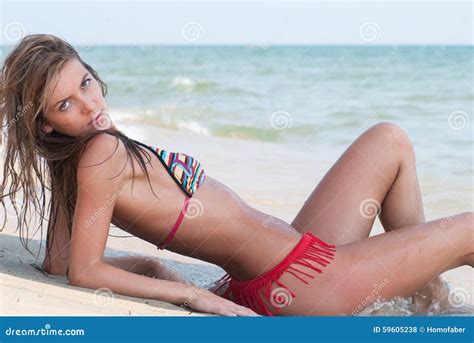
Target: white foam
x: 183, y: 81
x: 193, y: 126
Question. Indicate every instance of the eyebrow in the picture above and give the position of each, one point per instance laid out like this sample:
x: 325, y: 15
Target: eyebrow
x: 57, y: 103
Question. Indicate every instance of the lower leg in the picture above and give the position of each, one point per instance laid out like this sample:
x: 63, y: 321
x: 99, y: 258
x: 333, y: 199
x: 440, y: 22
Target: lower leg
x: 403, y: 206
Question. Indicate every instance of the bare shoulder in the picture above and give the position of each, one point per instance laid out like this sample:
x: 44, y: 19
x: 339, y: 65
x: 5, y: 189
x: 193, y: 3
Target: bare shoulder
x: 104, y: 154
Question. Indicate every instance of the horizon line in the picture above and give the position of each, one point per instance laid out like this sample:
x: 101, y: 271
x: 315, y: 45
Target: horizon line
x: 262, y: 45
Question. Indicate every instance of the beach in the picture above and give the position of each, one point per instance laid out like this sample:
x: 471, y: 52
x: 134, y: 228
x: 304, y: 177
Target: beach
x: 268, y: 124
x: 26, y: 291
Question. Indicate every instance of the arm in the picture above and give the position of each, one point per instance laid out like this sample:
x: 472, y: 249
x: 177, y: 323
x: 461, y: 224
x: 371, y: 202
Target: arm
x: 148, y: 266
x: 56, y: 259
x: 97, y: 181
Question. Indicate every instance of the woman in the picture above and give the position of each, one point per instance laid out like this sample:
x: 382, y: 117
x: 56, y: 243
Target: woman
x: 59, y: 137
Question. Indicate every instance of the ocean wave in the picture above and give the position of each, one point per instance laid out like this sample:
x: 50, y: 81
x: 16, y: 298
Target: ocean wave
x: 247, y: 133
x: 193, y: 126
x: 188, y: 84
x: 266, y: 134
x: 241, y: 91
x: 183, y: 81
x: 174, y: 117
x: 439, y: 98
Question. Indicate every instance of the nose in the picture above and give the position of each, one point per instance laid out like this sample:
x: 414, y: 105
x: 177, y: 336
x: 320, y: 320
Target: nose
x: 88, y: 105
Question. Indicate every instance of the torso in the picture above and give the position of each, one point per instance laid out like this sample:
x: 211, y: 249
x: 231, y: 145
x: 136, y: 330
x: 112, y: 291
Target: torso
x: 228, y: 232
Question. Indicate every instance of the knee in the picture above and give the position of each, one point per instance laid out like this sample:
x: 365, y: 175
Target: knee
x: 467, y: 225
x: 394, y: 135
x: 463, y: 224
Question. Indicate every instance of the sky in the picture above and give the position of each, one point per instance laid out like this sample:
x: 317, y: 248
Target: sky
x: 241, y: 22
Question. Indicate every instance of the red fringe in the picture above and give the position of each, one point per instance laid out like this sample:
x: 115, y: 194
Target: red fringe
x: 256, y: 293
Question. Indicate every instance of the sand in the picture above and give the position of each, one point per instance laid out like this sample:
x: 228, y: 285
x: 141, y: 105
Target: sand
x: 24, y: 290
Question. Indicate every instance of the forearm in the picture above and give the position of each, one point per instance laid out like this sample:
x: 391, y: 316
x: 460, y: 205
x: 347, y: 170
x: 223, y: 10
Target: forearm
x: 128, y: 283
x: 148, y: 266
x: 136, y: 264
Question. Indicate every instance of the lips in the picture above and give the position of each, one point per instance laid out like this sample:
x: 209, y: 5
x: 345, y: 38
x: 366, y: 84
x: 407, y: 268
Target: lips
x: 96, y: 116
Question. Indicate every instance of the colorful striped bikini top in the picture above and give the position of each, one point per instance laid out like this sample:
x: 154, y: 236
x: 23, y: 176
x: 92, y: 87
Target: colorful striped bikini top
x: 186, y: 171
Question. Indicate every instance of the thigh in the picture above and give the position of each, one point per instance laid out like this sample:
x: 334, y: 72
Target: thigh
x: 396, y: 263
x: 343, y: 206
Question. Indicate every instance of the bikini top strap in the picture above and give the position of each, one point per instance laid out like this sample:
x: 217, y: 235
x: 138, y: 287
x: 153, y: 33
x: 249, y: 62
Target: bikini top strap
x: 173, y: 231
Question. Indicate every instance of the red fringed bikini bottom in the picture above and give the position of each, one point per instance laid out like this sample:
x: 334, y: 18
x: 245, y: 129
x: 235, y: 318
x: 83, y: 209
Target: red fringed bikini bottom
x: 257, y: 293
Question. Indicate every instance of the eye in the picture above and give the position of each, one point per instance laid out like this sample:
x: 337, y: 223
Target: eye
x: 84, y: 84
x: 62, y: 107
x: 86, y: 81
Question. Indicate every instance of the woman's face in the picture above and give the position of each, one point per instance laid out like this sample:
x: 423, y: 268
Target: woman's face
x: 76, y: 106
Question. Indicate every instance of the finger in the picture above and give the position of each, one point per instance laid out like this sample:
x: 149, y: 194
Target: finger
x: 249, y: 312
x: 225, y: 311
x: 228, y: 314
x: 254, y: 314
x: 244, y: 311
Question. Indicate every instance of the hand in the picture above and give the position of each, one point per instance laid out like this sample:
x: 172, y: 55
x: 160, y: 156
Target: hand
x: 205, y: 301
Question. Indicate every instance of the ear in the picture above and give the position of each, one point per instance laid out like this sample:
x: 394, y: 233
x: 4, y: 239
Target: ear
x: 47, y: 128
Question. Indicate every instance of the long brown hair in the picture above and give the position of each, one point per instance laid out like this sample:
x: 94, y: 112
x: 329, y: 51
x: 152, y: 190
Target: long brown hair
x: 35, y: 161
